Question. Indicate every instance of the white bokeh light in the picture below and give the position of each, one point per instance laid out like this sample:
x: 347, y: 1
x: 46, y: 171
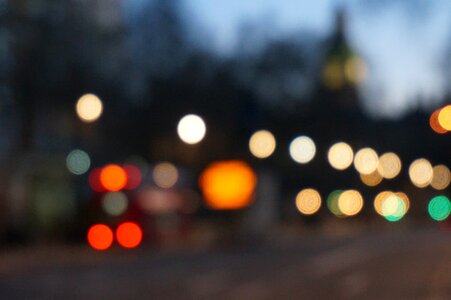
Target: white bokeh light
x: 191, y: 129
x: 302, y: 149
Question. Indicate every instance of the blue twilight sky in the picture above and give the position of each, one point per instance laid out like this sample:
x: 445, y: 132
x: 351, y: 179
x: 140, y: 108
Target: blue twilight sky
x: 404, y: 49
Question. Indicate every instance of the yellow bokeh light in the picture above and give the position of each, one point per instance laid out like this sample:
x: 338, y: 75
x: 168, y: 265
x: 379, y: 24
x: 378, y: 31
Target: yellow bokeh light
x: 165, y: 175
x: 389, y: 165
x: 302, y: 149
x: 228, y: 185
x: 89, y: 108
x: 366, y: 161
x: 421, y: 172
x: 333, y: 76
x: 394, y: 206
x: 390, y: 205
x: 444, y: 117
x: 350, y: 202
x: 340, y: 156
x: 441, y: 177
x: 355, y: 70
x: 191, y: 129
x: 405, y: 199
x: 262, y: 144
x: 372, y: 179
x: 308, y: 201
x: 379, y: 200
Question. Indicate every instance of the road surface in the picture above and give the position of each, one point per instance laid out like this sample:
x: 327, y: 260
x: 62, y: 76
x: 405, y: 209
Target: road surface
x: 391, y: 264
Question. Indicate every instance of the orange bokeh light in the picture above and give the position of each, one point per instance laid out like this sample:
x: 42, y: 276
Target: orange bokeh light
x: 228, y: 185
x: 113, y: 178
x: 129, y: 235
x: 435, y: 124
x: 100, y: 237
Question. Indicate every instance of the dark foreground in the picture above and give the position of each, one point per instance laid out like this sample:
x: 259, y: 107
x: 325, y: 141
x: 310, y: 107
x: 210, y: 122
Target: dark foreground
x: 395, y: 264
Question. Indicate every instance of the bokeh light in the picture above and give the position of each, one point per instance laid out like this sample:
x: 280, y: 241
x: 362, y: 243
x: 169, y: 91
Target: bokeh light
x: 100, y: 237
x: 366, y: 161
x: 441, y: 177
x: 262, y: 144
x: 165, y: 175
x: 332, y: 203
x: 302, y: 149
x: 228, y: 185
x: 403, y: 196
x: 372, y: 179
x: 89, y: 108
x: 389, y: 165
x: 78, y: 162
x: 444, y: 117
x: 113, y: 178
x: 94, y: 180
x: 308, y: 201
x: 115, y: 203
x: 333, y: 76
x: 350, y: 202
x: 379, y: 200
x: 434, y: 123
x: 191, y: 129
x: 439, y: 208
x: 154, y: 201
x: 393, y: 208
x: 421, y: 172
x: 134, y: 177
x: 129, y: 235
x: 340, y: 156
x: 355, y: 70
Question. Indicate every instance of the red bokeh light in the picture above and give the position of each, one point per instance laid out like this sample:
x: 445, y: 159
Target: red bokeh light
x: 129, y: 235
x: 94, y: 180
x: 113, y: 178
x: 134, y: 177
x: 100, y: 237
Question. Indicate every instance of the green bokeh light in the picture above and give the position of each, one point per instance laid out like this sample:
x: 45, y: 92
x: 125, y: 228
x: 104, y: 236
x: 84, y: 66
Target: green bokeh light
x: 332, y: 202
x: 401, y: 210
x: 78, y: 162
x: 439, y: 208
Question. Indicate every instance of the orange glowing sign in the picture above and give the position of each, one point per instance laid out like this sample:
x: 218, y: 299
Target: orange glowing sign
x: 129, y: 235
x: 228, y: 185
x: 113, y: 178
x: 100, y: 237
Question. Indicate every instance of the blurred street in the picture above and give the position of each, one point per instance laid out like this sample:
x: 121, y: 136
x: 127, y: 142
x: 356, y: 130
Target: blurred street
x: 174, y: 149
x: 403, y: 263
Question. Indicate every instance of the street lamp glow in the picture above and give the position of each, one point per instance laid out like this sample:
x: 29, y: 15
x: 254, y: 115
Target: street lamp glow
x: 350, y: 202
x: 366, y: 161
x: 308, y: 201
x: 262, y: 144
x: 389, y: 165
x: 340, y: 156
x: 421, y: 173
x: 89, y: 108
x: 302, y: 149
x: 191, y: 129
x: 441, y: 177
